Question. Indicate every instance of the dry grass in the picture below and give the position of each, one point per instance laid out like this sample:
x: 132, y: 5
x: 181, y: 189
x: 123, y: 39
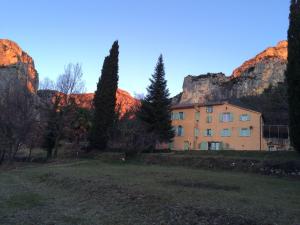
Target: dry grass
x: 93, y: 192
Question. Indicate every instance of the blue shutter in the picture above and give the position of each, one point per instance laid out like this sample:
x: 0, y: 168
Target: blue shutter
x: 221, y: 117
x: 204, y: 146
x: 196, y: 131
x: 231, y: 117
x: 197, y: 115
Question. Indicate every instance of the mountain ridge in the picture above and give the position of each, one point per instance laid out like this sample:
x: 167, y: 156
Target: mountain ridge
x: 252, y: 78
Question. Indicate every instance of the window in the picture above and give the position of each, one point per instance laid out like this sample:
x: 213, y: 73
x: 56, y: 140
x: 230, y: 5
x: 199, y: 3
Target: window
x: 180, y: 131
x: 245, y: 132
x: 209, y: 109
x: 245, y: 117
x: 226, y: 117
x: 197, y: 116
x: 226, y: 133
x: 196, y: 132
x: 214, y: 146
x: 208, y: 133
x: 209, y: 119
x: 177, y: 116
x: 181, y: 115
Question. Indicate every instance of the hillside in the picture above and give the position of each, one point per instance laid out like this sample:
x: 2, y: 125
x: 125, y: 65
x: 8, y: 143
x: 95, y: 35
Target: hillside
x: 252, y: 78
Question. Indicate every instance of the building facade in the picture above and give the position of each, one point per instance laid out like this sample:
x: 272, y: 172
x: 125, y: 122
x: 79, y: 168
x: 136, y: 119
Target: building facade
x: 220, y: 126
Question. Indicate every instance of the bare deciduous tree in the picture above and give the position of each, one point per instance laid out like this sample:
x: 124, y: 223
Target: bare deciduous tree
x: 47, y: 84
x: 67, y: 84
x: 18, y: 118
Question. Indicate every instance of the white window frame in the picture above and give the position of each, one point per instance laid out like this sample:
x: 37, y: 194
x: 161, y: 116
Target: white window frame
x: 224, y: 134
x: 226, y: 117
x: 242, y: 117
x: 242, y: 130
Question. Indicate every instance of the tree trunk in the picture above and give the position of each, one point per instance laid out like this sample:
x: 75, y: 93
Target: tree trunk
x: 2, y: 156
x: 29, y: 155
x: 56, y: 146
x: 49, y: 153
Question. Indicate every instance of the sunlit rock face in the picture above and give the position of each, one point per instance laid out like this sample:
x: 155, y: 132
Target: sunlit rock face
x: 279, y: 52
x: 124, y: 99
x: 15, y: 62
x: 251, y: 78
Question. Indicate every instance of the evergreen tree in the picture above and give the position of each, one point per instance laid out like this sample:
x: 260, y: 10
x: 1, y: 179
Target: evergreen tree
x: 105, y: 100
x: 156, y: 107
x: 293, y: 73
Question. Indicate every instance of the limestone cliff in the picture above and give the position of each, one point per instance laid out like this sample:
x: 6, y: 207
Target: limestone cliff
x: 252, y: 78
x: 15, y: 62
x: 124, y: 99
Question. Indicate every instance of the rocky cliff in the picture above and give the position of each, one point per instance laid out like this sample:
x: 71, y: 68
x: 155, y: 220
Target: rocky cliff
x: 124, y: 99
x: 250, y: 79
x: 15, y: 62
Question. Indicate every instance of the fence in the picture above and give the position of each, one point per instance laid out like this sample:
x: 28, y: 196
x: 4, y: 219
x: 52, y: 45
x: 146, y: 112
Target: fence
x: 277, y: 137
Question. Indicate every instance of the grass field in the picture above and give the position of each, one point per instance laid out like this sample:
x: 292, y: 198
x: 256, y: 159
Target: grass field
x: 93, y: 192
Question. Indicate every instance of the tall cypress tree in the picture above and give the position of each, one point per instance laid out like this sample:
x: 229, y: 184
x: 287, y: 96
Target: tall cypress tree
x: 105, y: 100
x: 156, y: 107
x: 293, y: 73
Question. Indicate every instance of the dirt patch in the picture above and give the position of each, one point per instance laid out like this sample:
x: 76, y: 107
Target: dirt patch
x: 203, y: 185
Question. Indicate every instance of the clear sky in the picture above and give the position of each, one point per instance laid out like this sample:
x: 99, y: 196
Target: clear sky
x: 195, y: 36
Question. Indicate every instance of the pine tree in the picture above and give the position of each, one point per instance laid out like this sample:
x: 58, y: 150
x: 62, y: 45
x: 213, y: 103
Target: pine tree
x: 156, y: 107
x: 293, y: 73
x: 105, y: 100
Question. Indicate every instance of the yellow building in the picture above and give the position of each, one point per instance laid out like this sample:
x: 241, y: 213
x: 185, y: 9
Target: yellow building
x: 220, y: 126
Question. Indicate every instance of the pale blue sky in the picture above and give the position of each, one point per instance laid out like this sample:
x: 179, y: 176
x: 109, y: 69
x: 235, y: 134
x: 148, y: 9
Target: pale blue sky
x: 195, y: 36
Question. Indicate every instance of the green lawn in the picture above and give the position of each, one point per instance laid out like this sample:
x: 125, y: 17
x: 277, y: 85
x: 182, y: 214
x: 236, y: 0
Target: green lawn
x: 94, y: 192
